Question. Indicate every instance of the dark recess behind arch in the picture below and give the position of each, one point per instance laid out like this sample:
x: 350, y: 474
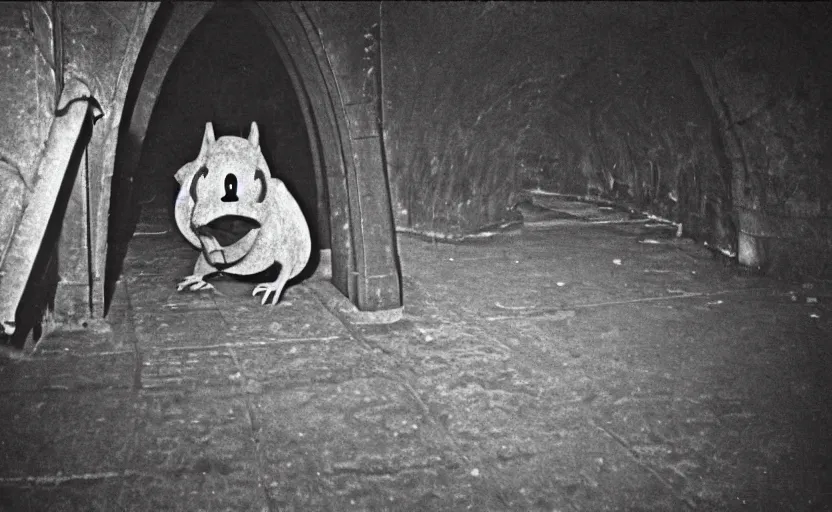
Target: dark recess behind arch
x: 124, y: 203
x: 228, y: 72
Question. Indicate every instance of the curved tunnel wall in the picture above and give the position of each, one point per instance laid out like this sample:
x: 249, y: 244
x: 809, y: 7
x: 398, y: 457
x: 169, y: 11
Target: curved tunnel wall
x: 703, y: 113
x: 356, y: 237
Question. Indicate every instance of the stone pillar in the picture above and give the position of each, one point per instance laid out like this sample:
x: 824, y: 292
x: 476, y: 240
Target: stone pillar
x: 349, y: 32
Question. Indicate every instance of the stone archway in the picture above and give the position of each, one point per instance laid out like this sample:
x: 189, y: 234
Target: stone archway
x: 351, y: 180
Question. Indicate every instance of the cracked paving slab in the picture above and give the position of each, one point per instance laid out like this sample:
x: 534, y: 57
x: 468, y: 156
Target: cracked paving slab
x: 194, y: 449
x: 43, y: 434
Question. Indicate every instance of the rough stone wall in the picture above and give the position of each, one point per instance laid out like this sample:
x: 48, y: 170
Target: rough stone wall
x: 46, y: 44
x: 486, y: 99
x: 28, y: 93
x: 27, y: 89
x: 767, y: 72
x: 663, y: 106
x: 101, y: 42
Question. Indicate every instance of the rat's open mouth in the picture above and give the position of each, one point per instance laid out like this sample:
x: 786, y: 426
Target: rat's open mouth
x: 228, y: 239
x: 228, y: 229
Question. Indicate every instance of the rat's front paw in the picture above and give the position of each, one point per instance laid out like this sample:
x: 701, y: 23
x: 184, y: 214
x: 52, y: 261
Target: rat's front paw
x: 194, y: 283
x: 267, y: 289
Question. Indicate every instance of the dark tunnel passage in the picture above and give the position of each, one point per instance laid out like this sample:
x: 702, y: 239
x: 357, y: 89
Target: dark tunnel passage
x: 229, y: 73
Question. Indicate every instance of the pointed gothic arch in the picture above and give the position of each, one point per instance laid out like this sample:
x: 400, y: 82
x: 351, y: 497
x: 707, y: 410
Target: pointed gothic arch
x: 351, y: 182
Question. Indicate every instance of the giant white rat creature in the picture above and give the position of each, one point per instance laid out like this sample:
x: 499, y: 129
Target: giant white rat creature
x: 243, y: 220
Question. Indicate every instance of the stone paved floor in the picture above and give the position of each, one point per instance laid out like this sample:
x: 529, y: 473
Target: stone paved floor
x: 530, y: 372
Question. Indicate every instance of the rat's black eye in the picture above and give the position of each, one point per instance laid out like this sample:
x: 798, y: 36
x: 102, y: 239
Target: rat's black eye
x: 230, y: 189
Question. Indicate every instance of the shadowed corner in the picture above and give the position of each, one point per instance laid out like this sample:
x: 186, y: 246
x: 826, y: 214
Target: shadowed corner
x: 124, y: 201
x: 125, y: 210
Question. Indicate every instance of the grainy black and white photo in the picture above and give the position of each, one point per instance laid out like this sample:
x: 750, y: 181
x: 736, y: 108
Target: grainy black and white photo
x: 415, y: 256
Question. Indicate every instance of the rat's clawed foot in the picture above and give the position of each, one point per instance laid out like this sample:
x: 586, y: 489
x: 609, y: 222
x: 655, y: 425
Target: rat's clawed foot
x: 267, y: 289
x: 194, y: 283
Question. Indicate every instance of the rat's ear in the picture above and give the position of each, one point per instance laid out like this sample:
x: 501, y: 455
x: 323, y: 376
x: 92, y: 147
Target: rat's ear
x: 207, y: 140
x: 254, y: 135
